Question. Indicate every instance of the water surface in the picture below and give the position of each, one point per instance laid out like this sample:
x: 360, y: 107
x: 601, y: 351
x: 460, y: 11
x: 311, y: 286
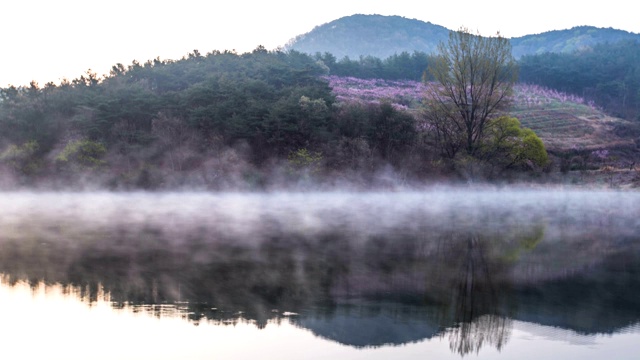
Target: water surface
x: 478, y: 273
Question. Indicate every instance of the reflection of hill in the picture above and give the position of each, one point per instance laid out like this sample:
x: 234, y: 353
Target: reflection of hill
x: 411, y: 265
x: 373, y: 324
x: 600, y: 300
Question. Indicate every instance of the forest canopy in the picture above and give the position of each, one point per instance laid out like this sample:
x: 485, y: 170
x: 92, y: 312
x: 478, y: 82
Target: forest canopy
x: 216, y: 121
x: 607, y: 74
x: 222, y: 118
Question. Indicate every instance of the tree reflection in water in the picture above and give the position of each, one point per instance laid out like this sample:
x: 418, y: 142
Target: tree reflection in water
x: 341, y: 267
x: 477, y: 315
x: 469, y: 337
x: 474, y: 268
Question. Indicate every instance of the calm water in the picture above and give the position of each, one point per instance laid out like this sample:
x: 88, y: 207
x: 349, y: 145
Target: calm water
x: 409, y: 275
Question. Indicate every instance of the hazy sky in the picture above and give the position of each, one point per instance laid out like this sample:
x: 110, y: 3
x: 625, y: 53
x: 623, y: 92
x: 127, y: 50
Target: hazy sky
x: 47, y: 40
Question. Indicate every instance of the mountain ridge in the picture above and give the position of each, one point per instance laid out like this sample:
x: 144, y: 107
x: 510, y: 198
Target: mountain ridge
x: 383, y: 36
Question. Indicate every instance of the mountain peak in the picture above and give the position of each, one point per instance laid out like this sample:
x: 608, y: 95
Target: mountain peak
x: 376, y: 35
x: 382, y: 36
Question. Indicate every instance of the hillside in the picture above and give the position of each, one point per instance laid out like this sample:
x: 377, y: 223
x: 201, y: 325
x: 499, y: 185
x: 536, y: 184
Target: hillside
x: 608, y: 74
x: 382, y: 36
x: 262, y: 120
x: 566, y: 123
x: 567, y: 41
x: 375, y: 35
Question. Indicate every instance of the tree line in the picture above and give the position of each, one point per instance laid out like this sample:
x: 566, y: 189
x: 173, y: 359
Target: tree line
x: 402, y: 66
x: 211, y: 120
x: 607, y: 74
x: 228, y: 120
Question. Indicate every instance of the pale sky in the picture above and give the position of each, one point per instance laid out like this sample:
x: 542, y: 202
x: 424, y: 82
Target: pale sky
x: 46, y: 40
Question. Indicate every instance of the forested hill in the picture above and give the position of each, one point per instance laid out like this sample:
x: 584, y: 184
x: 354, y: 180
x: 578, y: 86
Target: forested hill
x: 608, y: 74
x: 374, y: 35
x: 164, y: 121
x: 382, y: 36
x: 269, y: 119
x: 217, y: 121
x: 568, y: 41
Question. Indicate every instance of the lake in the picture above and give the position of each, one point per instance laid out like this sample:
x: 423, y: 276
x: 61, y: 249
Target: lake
x: 441, y: 273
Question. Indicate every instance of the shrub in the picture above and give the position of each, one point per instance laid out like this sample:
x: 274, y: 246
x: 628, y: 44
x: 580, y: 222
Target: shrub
x: 23, y: 158
x: 83, y: 154
x: 510, y: 146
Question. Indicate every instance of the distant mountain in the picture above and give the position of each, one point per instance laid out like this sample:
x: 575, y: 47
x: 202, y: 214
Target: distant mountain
x: 566, y: 41
x: 382, y: 36
x: 375, y: 35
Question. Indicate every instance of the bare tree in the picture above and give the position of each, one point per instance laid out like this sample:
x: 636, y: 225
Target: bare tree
x: 473, y: 77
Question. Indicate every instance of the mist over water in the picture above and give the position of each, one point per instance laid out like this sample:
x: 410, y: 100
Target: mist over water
x: 362, y: 211
x: 364, y: 269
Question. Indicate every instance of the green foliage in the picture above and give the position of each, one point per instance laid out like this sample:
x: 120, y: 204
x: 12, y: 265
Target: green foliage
x: 532, y: 149
x: 23, y: 158
x: 304, y: 163
x: 510, y: 146
x: 528, y: 240
x: 85, y: 154
x: 304, y: 159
